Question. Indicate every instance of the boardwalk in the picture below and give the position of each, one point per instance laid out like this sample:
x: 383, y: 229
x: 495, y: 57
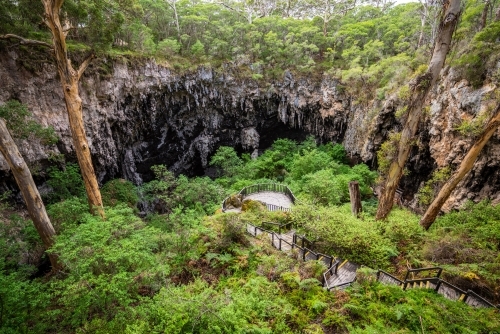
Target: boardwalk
x: 270, y: 197
x: 340, y: 273
x: 346, y: 274
x: 276, y: 197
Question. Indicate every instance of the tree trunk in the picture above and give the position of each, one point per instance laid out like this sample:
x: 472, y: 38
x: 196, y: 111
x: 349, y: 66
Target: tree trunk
x: 69, y: 79
x: 465, y: 166
x: 484, y: 15
x: 423, y: 21
x: 173, y: 5
x: 497, y: 14
x: 355, y: 197
x: 420, y: 88
x: 29, y: 191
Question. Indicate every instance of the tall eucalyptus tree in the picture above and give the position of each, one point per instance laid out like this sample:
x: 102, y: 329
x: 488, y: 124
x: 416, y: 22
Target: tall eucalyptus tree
x: 419, y: 89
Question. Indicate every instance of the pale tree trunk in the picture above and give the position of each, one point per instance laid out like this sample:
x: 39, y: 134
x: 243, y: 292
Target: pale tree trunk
x: 326, y: 17
x: 497, y: 15
x: 465, y: 166
x: 69, y: 78
x: 484, y: 14
x: 29, y: 191
x: 173, y: 5
x: 420, y: 88
x: 423, y: 21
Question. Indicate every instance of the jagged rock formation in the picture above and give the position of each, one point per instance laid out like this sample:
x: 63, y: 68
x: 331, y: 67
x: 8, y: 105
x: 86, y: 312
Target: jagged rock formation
x: 141, y: 114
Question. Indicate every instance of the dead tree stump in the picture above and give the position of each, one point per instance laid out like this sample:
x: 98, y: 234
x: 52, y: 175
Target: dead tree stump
x: 355, y: 197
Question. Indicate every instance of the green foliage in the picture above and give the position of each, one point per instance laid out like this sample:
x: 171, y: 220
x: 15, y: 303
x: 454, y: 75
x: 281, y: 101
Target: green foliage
x: 4, y: 200
x: 382, y: 308
x: 20, y: 244
x: 345, y: 236
x: 310, y: 162
x: 19, y: 122
x: 173, y: 274
x: 168, y: 47
x: 388, y: 151
x: 427, y: 193
x: 68, y: 213
x: 274, y: 163
x: 107, y: 262
x: 244, y: 307
x: 227, y: 160
x: 21, y: 300
x: 404, y: 93
x: 119, y: 191
x: 473, y: 127
x: 168, y: 192
x: 198, y: 49
x: 336, y: 151
x: 479, y: 55
x: 65, y: 183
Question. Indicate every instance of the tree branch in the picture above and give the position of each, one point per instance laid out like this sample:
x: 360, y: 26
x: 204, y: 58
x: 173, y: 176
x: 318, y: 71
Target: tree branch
x: 25, y: 41
x: 58, y: 4
x: 233, y: 9
x: 85, y: 63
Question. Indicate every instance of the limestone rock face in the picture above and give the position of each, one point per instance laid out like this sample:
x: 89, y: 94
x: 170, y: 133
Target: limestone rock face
x: 142, y: 114
x: 250, y: 138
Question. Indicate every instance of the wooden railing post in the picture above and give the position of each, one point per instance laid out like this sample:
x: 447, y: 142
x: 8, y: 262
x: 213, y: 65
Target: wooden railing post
x: 438, y: 285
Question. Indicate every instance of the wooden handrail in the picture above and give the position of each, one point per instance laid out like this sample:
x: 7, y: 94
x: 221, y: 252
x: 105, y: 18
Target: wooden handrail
x: 387, y: 274
x: 334, y: 268
x: 439, y: 271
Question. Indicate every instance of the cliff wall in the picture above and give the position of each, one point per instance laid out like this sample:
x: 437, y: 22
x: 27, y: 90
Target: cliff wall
x: 138, y: 114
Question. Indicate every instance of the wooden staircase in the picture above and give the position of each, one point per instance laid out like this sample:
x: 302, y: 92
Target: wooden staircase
x: 341, y: 273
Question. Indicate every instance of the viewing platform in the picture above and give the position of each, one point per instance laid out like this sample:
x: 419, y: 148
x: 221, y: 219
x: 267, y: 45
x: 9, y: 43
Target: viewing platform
x: 276, y: 197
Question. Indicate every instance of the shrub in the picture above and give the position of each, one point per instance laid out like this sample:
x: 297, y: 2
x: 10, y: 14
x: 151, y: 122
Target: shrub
x: 107, y: 263
x: 68, y: 213
x: 119, y: 191
x: 65, y: 183
x: 310, y: 162
x: 19, y: 121
x: 168, y: 47
x: 226, y: 160
x: 344, y: 236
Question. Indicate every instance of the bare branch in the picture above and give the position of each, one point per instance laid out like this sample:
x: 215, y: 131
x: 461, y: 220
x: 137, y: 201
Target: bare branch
x: 231, y: 8
x: 85, y: 63
x: 25, y: 41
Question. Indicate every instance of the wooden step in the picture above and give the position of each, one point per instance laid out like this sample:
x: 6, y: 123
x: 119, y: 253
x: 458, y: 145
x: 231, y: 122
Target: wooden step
x: 346, y: 273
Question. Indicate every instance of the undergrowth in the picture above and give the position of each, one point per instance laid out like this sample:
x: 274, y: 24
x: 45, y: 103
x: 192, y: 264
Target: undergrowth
x: 184, y: 269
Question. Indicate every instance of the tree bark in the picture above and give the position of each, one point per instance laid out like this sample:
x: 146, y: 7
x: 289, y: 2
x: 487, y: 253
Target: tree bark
x: 355, y: 197
x: 497, y: 14
x: 484, y: 15
x: 420, y: 88
x: 465, y: 166
x: 29, y: 191
x: 69, y: 78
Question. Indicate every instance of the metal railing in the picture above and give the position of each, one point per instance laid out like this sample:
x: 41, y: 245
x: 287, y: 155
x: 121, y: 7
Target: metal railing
x: 261, y: 187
